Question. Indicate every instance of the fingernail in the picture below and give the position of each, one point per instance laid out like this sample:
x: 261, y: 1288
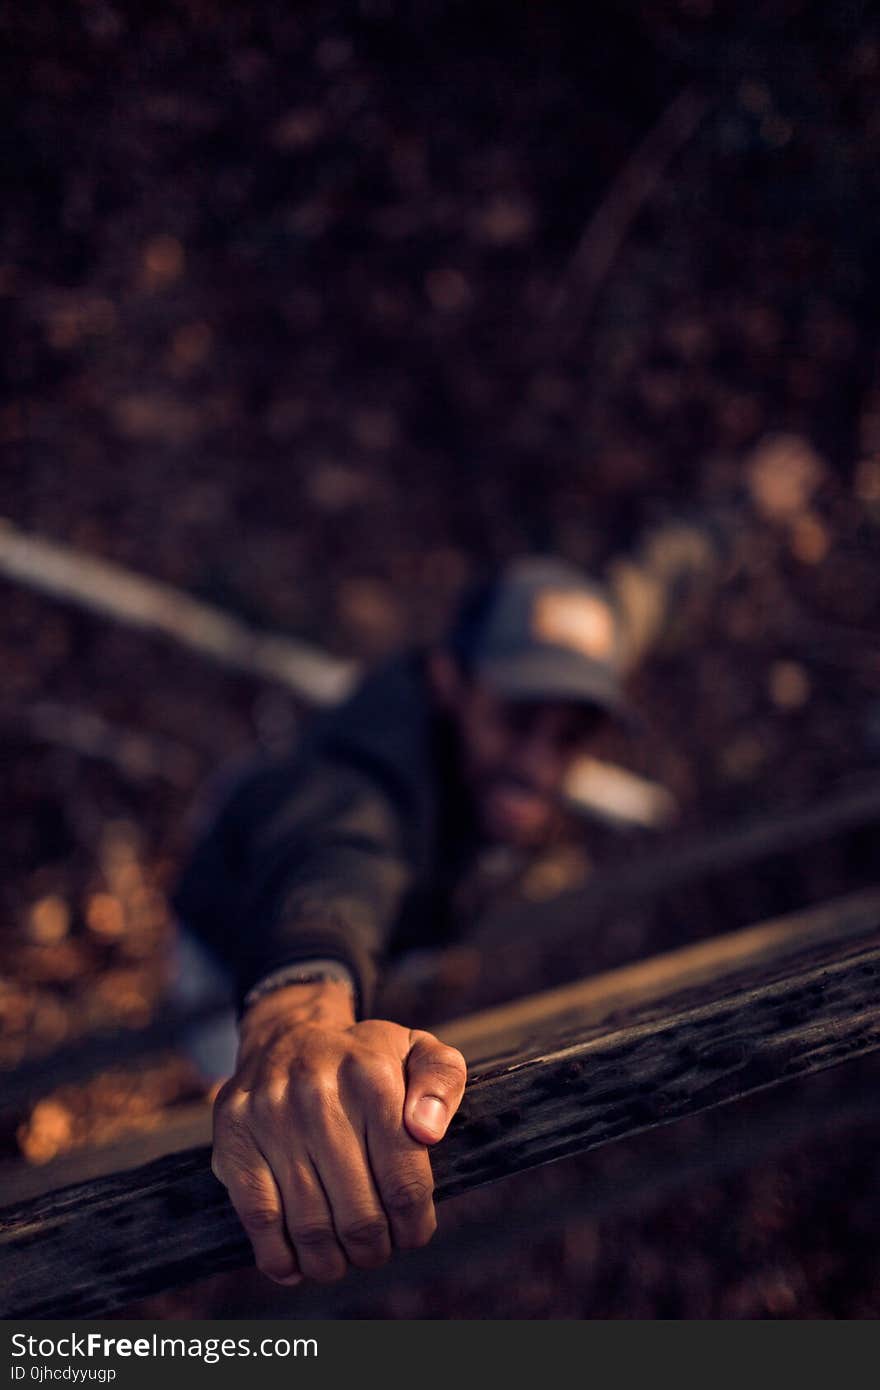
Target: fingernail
x: 430, y: 1112
x: 291, y: 1280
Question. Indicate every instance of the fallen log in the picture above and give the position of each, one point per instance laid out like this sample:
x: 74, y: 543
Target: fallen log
x: 576, y: 1087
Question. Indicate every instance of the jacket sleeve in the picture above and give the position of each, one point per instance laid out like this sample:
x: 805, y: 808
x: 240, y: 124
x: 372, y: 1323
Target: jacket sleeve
x: 322, y: 875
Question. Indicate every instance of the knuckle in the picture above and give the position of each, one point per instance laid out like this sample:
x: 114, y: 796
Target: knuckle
x: 257, y: 1217
x: 318, y: 1252
x: 403, y: 1198
x: 378, y: 1073
x: 317, y: 1051
x: 368, y: 1231
x: 314, y: 1236
x: 449, y: 1064
x: 389, y: 1077
x: 451, y: 1057
x: 225, y: 1094
x: 270, y: 1101
x: 230, y: 1113
x: 314, y: 1087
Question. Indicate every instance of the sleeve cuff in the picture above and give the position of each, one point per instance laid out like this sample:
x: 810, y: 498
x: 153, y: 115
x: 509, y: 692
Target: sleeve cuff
x: 302, y: 972
x: 323, y: 942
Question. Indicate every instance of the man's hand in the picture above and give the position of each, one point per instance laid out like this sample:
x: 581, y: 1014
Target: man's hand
x: 320, y: 1136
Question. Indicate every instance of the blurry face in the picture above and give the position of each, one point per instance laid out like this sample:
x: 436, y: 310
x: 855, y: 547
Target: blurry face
x: 516, y: 756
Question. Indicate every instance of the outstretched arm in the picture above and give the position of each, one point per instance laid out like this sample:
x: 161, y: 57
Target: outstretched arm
x: 321, y: 1136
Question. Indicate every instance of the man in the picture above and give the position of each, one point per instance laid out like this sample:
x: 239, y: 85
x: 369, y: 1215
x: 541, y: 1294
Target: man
x: 320, y: 867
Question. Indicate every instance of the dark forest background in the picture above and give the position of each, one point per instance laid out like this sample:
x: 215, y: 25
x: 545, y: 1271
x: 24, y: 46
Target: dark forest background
x: 297, y: 318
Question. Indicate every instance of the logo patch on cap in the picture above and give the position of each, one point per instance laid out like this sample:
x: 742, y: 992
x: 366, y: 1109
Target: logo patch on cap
x: 580, y: 621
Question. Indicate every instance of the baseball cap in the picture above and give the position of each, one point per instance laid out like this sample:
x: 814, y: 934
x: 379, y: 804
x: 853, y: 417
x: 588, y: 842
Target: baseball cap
x: 543, y: 630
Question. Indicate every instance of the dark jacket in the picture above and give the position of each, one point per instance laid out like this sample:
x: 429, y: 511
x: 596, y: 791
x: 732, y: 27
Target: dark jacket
x: 347, y: 849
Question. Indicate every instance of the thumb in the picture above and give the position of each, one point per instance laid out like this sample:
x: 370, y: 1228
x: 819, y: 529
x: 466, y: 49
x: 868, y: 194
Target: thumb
x: 435, y: 1078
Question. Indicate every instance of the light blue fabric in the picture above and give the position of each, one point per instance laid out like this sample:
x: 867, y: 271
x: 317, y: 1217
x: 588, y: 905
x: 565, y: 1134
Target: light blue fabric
x: 196, y: 977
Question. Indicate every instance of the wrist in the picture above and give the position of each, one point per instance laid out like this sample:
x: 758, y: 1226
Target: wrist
x: 322, y: 1004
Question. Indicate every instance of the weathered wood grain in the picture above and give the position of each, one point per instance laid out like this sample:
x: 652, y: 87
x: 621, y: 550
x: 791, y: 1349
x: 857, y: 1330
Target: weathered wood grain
x: 87, y: 1249
x: 601, y: 1002
x: 182, y: 1127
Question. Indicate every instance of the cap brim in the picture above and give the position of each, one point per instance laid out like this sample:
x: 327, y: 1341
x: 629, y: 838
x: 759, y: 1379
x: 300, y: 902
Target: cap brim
x: 558, y: 674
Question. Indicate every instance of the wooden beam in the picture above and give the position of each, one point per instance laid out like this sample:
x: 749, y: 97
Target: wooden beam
x: 648, y: 1169
x: 604, y: 1000
x: 601, y: 1000
x: 183, y: 1127
x: 563, y: 923
x: 93, y: 1247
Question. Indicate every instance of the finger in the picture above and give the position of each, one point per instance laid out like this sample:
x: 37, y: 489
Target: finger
x: 359, y: 1217
x: 401, y: 1169
x: 337, y: 1148
x: 309, y: 1219
x: 435, y: 1081
x: 257, y: 1201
